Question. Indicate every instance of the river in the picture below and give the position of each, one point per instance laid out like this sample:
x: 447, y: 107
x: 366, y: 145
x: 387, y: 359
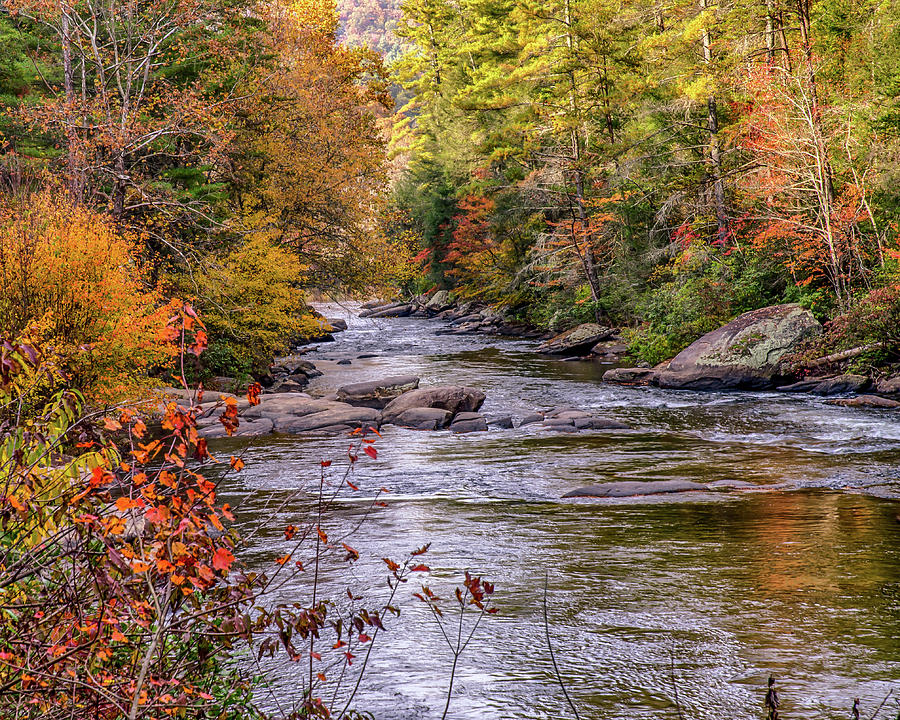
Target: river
x: 706, y: 593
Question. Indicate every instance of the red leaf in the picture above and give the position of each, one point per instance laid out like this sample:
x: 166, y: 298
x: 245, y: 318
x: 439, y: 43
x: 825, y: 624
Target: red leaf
x: 370, y: 451
x: 222, y: 559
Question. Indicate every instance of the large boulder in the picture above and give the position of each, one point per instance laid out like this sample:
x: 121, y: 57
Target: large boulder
x: 454, y: 398
x: 439, y: 301
x: 575, y: 341
x: 377, y: 393
x: 745, y: 353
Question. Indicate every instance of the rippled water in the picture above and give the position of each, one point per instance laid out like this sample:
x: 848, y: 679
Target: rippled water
x: 708, y: 593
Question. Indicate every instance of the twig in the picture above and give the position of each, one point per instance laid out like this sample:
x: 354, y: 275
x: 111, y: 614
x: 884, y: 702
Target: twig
x: 553, y: 657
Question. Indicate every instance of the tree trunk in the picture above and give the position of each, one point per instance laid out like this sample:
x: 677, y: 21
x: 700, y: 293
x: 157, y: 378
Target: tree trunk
x: 715, y: 151
x: 69, y: 88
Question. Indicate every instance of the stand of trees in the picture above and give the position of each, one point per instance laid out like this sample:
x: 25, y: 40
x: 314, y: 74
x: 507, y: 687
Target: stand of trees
x: 659, y: 166
x: 234, y: 146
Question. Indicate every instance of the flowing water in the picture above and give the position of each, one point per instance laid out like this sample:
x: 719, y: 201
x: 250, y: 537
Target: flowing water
x: 703, y: 594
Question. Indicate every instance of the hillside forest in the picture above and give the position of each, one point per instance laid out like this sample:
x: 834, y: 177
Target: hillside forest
x: 181, y: 181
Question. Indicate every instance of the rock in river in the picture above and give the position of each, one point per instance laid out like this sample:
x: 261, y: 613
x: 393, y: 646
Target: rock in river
x: 744, y: 353
x: 454, y: 398
x: 630, y: 376
x: 873, y: 401
x: 466, y: 422
x: 253, y: 428
x: 631, y: 488
x: 423, y: 418
x: 577, y: 340
x: 377, y: 393
x: 334, y: 419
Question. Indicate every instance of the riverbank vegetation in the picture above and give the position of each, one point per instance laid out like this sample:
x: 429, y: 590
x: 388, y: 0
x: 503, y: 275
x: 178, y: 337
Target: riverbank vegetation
x: 224, y: 153
x: 659, y: 167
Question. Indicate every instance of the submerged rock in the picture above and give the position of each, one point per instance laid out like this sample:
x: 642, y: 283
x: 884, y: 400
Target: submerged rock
x: 744, y: 353
x: 632, y: 488
x: 575, y: 341
x: 377, y: 393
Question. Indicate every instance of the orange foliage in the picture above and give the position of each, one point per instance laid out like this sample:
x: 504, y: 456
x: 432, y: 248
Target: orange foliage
x: 68, y: 272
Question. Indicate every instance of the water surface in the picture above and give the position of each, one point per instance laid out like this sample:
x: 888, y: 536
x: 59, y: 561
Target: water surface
x: 708, y: 593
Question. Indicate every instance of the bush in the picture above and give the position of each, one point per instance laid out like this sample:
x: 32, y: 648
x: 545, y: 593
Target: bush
x: 69, y: 275
x: 253, y: 307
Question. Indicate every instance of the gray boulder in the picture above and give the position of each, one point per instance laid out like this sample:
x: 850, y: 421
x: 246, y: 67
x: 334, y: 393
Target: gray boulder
x: 744, y: 353
x: 337, y: 324
x: 841, y: 384
x: 377, y: 393
x: 575, y: 341
x: 466, y: 422
x: 293, y: 365
x: 293, y: 404
x: 344, y: 416
x: 252, y: 428
x: 630, y: 376
x: 423, y: 418
x: 504, y: 422
x: 631, y: 488
x: 439, y: 301
x: 454, y: 398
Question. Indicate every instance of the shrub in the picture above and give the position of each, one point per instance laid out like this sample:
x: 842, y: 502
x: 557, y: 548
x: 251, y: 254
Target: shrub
x: 68, y: 273
x: 253, y: 307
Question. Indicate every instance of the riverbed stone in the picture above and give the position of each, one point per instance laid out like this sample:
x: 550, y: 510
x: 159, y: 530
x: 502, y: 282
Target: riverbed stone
x: 337, y: 324
x: 251, y: 428
x: 630, y: 376
x: 504, y: 422
x: 632, y: 488
x: 293, y: 365
x: 731, y: 485
x: 439, y: 301
x: 349, y: 416
x: 531, y: 419
x: 295, y: 404
x: 888, y: 386
x: 423, y: 418
x: 841, y: 384
x: 466, y: 422
x: 454, y: 398
x: 870, y: 401
x: 744, y: 353
x: 377, y: 393
x: 576, y: 341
